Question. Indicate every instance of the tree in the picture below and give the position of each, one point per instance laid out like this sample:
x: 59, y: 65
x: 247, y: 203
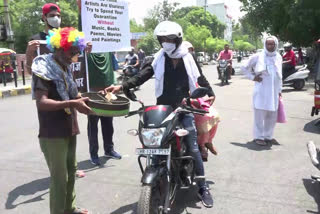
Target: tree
x: 197, y: 35
x: 149, y: 43
x: 195, y: 16
x: 296, y: 21
x: 215, y: 45
x: 26, y: 18
x: 161, y: 12
x: 135, y: 27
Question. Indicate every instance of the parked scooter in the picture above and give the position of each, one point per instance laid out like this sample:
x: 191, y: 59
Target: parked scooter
x: 297, y: 80
x: 314, y: 154
x: 168, y: 168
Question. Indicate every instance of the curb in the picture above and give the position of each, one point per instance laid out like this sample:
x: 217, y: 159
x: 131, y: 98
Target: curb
x: 15, y: 92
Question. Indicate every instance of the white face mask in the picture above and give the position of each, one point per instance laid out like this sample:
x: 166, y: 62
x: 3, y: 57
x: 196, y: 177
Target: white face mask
x: 54, y: 21
x: 168, y: 47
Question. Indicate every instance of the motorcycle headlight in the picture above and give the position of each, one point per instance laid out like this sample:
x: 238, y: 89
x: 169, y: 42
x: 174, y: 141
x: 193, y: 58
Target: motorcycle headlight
x: 152, y: 137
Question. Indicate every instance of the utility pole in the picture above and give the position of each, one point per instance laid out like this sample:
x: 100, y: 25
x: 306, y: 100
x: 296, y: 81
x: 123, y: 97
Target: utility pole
x: 10, y: 39
x: 205, y: 18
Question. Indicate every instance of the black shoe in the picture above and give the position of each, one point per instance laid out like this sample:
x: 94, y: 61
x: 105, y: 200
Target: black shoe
x: 205, y: 196
x: 95, y: 161
x: 113, y: 154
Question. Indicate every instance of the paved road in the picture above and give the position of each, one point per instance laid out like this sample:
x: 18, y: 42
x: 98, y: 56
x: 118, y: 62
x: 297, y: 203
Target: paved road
x: 245, y: 178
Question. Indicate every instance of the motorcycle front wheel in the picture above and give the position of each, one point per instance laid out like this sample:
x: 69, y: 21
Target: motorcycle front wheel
x: 149, y: 201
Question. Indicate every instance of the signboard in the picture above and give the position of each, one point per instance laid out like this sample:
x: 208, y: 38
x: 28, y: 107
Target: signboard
x: 106, y: 24
x: 78, y: 69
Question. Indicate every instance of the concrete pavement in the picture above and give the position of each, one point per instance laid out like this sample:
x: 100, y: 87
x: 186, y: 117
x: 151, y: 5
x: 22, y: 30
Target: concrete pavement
x: 244, y: 178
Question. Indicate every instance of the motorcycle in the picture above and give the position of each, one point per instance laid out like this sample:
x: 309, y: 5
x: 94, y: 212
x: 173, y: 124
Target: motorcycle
x: 314, y: 154
x: 297, y: 80
x: 127, y: 73
x: 224, y: 73
x: 168, y: 168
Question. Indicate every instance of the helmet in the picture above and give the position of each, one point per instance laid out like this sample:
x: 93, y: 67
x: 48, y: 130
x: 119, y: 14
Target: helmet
x: 287, y: 45
x: 318, y: 41
x: 170, y: 30
x: 187, y: 44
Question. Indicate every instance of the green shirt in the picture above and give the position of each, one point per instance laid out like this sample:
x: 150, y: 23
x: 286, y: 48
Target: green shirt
x: 100, y: 70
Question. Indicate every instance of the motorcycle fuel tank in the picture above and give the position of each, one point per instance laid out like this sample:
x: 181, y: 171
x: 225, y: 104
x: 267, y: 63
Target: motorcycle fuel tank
x: 154, y: 115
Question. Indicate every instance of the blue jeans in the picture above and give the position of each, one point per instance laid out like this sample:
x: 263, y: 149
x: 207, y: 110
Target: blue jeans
x: 192, y: 146
x: 107, y: 134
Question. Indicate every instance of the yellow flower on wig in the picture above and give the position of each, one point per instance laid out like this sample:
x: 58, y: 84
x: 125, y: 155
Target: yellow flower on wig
x: 65, y: 38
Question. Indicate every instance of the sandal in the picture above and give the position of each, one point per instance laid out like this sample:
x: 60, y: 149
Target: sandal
x: 80, y: 174
x: 260, y: 142
x: 272, y: 141
x: 78, y: 210
x: 211, y: 148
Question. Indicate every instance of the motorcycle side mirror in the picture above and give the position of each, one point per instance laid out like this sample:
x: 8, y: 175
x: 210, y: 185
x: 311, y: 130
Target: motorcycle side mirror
x: 199, y: 92
x: 131, y: 95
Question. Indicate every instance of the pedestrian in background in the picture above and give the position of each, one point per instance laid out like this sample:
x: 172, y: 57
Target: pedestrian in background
x: 267, y: 67
x: 57, y: 100
x: 52, y: 18
x: 101, y: 75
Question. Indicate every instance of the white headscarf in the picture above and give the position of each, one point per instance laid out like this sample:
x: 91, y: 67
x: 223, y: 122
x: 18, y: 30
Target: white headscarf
x: 189, y: 63
x: 270, y: 61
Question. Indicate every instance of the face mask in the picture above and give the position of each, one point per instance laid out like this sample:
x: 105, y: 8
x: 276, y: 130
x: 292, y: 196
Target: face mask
x: 54, y: 21
x: 130, y: 53
x: 168, y: 47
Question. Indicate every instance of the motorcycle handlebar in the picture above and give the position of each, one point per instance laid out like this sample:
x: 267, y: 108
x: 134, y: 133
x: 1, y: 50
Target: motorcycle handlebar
x: 193, y: 110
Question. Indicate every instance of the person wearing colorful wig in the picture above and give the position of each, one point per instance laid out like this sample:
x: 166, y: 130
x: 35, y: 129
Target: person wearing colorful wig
x: 57, y: 100
x: 267, y: 67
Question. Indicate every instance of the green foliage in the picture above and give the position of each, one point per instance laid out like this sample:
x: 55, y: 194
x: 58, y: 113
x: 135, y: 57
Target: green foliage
x: 243, y: 45
x: 197, y: 35
x: 296, y: 21
x: 161, y: 12
x: 196, y: 16
x: 214, y: 45
x: 149, y: 43
x: 244, y: 37
x: 26, y: 18
x: 135, y: 27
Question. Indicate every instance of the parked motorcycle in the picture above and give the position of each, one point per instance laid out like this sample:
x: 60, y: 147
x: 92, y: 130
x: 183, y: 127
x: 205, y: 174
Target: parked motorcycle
x: 297, y: 80
x: 127, y: 73
x: 314, y: 154
x: 168, y: 168
x: 224, y: 73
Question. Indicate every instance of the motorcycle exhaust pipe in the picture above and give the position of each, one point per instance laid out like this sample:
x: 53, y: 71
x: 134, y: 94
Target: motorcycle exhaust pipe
x: 313, y: 153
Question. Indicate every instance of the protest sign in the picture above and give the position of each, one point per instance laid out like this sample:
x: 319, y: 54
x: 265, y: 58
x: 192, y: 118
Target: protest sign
x: 106, y: 24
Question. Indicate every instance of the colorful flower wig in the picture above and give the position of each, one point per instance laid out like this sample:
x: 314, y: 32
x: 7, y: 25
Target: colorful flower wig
x: 65, y: 38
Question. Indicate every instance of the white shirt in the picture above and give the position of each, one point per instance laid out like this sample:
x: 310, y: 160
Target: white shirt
x: 266, y: 93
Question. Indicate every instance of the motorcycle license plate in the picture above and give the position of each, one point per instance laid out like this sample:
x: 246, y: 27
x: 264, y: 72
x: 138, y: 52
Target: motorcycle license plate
x: 153, y: 151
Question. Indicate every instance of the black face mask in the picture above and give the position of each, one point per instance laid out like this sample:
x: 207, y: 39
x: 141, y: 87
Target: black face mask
x: 131, y: 53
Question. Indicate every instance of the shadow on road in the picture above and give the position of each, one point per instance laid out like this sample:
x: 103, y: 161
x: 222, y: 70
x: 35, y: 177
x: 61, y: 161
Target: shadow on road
x: 311, y: 127
x: 253, y: 146
x: 287, y: 90
x: 28, y: 189
x: 186, y: 199
x: 313, y: 190
x: 87, y: 166
x: 126, y: 209
x: 219, y: 84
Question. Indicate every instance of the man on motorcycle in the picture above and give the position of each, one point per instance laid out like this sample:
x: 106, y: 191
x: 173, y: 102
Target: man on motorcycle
x: 132, y: 59
x: 176, y: 73
x: 289, y: 61
x: 226, y: 54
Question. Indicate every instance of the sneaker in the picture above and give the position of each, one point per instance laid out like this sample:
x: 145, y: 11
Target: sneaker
x: 260, y: 142
x: 113, y: 154
x: 95, y: 161
x: 205, y: 197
